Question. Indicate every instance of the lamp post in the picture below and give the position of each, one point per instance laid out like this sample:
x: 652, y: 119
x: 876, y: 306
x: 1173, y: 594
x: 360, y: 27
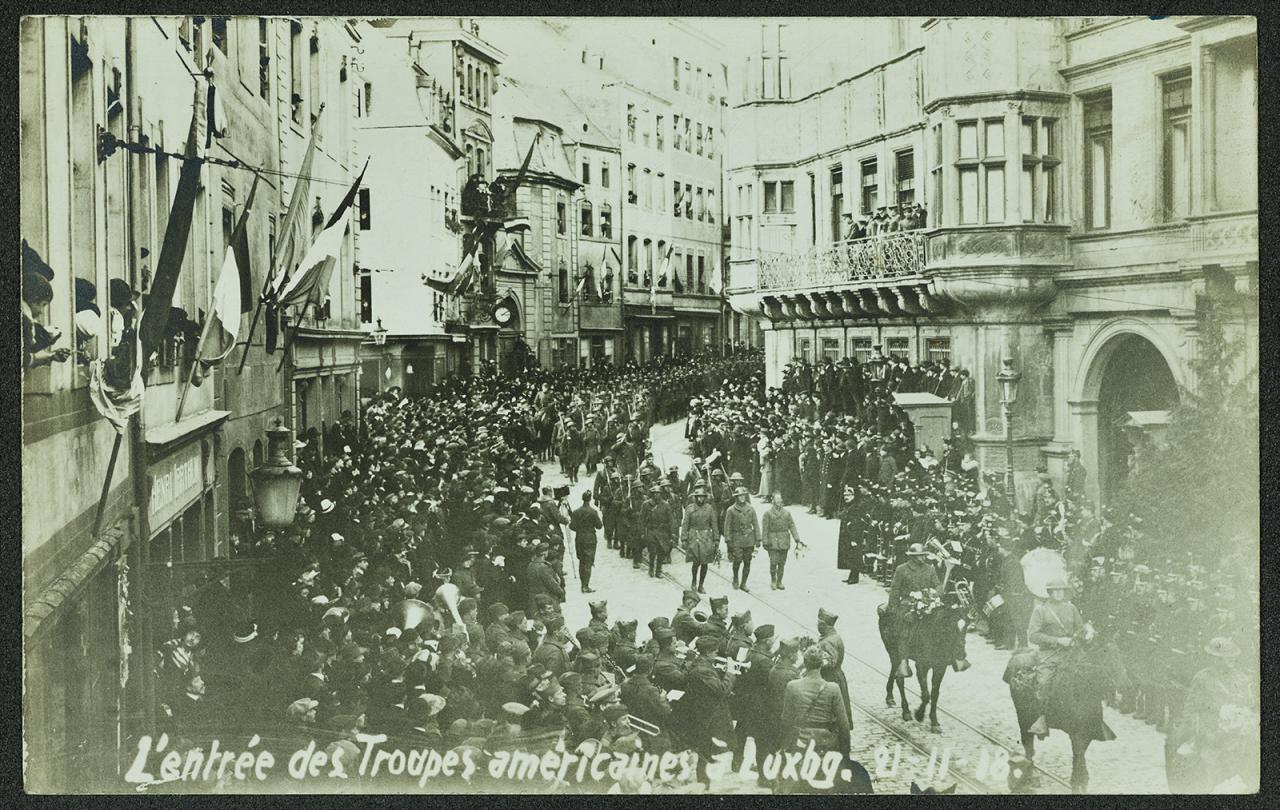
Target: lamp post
x: 277, y: 483
x: 380, y: 339
x: 1008, y: 379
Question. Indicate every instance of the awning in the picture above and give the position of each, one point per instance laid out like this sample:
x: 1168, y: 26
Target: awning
x: 69, y: 581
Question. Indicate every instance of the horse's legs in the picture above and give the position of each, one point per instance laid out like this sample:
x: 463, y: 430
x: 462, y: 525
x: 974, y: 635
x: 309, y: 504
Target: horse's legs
x: 906, y: 704
x: 922, y: 674
x: 938, y: 673
x: 1079, y: 768
x: 888, y: 684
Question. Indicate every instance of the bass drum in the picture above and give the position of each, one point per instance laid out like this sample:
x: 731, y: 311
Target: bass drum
x: 993, y: 606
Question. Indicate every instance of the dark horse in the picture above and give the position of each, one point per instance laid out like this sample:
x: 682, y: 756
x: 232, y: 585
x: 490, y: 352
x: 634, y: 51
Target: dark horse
x: 1091, y: 672
x: 934, y: 644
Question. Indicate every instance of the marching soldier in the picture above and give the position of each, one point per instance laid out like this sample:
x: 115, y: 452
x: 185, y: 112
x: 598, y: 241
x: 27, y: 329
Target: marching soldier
x: 649, y: 703
x: 750, y: 700
x: 832, y: 647
x: 657, y: 526
x: 699, y: 537
x: 706, y: 705
x: 812, y: 710
x: 742, y: 536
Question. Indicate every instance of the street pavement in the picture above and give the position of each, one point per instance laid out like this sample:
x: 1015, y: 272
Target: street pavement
x: 979, y: 729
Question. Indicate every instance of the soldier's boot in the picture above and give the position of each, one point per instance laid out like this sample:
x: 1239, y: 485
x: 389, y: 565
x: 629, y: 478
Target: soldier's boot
x: 746, y: 572
x: 736, y: 568
x: 782, y: 569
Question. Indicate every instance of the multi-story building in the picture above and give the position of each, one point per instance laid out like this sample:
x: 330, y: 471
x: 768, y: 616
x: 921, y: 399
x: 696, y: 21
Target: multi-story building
x: 1085, y: 181
x: 463, y: 73
x: 409, y: 225
x: 106, y: 564
x: 658, y: 93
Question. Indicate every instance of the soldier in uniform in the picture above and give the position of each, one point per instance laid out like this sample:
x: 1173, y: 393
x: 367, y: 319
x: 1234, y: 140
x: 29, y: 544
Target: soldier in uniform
x: 812, y: 710
x: 718, y: 623
x: 706, y: 705
x: 784, y: 670
x: 625, y: 523
x: 584, y: 522
x: 605, y: 489
x: 852, y: 537
x: 668, y: 667
x: 832, y: 647
x: 697, y: 475
x: 699, y: 537
x: 657, y: 527
x: 647, y: 702
x: 750, y: 698
x: 742, y: 536
x: 810, y: 475
x: 624, y: 650
x: 740, y: 630
x: 684, y: 624
x: 721, y: 493
x: 778, y: 528
x: 916, y: 574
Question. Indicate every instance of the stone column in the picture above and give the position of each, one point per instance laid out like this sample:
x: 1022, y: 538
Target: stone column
x: 1208, y: 129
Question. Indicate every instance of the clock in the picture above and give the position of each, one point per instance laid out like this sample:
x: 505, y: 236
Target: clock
x: 503, y: 314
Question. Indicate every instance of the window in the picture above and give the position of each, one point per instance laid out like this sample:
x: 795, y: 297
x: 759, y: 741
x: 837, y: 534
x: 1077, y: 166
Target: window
x: 633, y: 261
x: 905, y: 176
x: 220, y: 33
x: 586, y: 172
x: 688, y: 201
x: 775, y: 72
x: 264, y: 59
x: 647, y: 189
x: 1176, y: 150
x: 898, y: 347
x: 702, y: 273
x: 662, y: 279
x: 561, y: 217
x: 1040, y: 161
x: 831, y: 349
x: 295, y: 70
x: 779, y: 196
x: 659, y: 132
x: 837, y: 202
x: 648, y: 262
x: 936, y: 172
x: 981, y: 167
x: 632, y: 196
x: 606, y: 221
x: 688, y: 272
x: 604, y: 175
x: 675, y: 132
x: 711, y: 203
x: 586, y: 218
x: 688, y: 135
x: 937, y: 349
x: 677, y: 196
x: 770, y: 197
x: 711, y: 152
x: 860, y: 348
x: 699, y: 136
x: 315, y: 88
x: 631, y: 123
x: 1097, y: 161
x: 366, y: 297
x: 563, y: 275
x: 660, y: 192
x: 699, y: 210
x: 366, y: 221
x: 870, y: 185
x: 675, y: 73
x: 805, y: 349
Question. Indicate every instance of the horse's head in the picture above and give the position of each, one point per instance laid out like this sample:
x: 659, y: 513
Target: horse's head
x: 1105, y: 664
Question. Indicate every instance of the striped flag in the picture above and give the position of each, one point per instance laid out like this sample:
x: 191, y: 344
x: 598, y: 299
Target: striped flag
x: 311, y: 279
x: 458, y: 281
x: 232, y: 295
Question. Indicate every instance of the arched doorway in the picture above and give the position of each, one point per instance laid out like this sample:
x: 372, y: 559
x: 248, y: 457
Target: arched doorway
x: 1133, y: 377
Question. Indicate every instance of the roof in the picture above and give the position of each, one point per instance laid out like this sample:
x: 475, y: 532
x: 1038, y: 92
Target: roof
x: 1144, y: 419
x: 514, y: 131
x: 904, y: 400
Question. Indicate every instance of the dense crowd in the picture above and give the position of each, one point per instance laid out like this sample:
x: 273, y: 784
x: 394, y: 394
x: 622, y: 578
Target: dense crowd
x: 420, y: 595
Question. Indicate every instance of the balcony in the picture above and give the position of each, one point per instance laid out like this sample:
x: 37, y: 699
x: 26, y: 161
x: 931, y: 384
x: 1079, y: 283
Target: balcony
x: 872, y: 259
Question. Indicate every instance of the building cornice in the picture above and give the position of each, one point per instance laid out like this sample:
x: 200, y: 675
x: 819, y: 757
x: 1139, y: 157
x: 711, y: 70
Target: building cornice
x: 897, y: 133
x: 999, y: 95
x: 881, y: 66
x: 1125, y: 57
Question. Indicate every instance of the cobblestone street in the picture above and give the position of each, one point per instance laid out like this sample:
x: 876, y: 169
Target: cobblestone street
x: 979, y: 729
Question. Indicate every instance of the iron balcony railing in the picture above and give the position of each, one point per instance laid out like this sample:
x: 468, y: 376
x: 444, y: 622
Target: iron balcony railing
x: 885, y: 256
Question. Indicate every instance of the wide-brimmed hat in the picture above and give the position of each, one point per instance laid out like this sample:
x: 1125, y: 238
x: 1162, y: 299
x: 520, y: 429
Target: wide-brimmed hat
x: 737, y: 476
x: 326, y: 506
x: 1222, y: 647
x: 741, y: 491
x: 916, y: 550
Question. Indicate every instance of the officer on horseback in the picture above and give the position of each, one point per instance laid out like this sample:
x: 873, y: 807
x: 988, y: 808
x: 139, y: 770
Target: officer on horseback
x: 917, y: 574
x: 1055, y: 626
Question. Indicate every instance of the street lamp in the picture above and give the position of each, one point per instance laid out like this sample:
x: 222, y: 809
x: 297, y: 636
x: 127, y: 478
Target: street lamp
x: 877, y: 363
x: 276, y: 483
x: 380, y: 335
x: 1008, y: 379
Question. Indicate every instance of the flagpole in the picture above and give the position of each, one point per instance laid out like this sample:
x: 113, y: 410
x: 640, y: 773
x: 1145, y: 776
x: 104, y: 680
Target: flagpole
x: 204, y: 334
x: 106, y: 484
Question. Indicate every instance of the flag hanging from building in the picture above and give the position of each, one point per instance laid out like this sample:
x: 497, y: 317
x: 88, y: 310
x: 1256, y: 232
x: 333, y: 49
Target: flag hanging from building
x: 291, y: 237
x: 457, y: 281
x: 158, y: 301
x: 602, y: 273
x: 232, y: 295
x: 117, y: 404
x: 309, y: 282
x: 664, y: 270
x: 716, y: 282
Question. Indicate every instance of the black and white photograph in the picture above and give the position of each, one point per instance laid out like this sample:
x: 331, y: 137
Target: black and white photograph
x: 639, y: 405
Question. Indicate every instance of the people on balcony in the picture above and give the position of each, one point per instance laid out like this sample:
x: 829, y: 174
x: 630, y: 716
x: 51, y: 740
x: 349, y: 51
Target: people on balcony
x: 886, y: 219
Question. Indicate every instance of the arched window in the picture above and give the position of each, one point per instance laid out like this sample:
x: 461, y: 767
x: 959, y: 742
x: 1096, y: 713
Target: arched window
x: 662, y: 252
x: 606, y: 221
x: 471, y: 85
x: 648, y: 262
x: 586, y: 218
x: 471, y: 161
x: 480, y: 164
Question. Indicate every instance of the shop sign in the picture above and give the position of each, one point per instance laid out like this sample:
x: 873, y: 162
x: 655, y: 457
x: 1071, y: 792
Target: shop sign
x: 176, y: 483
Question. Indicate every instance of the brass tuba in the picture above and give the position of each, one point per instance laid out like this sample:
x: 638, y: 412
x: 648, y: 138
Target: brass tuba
x: 409, y: 613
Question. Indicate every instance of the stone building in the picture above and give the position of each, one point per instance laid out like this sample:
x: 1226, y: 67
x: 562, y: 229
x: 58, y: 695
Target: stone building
x: 105, y: 567
x: 1085, y: 180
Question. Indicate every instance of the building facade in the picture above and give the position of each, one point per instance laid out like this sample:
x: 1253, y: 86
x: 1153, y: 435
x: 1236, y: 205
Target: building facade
x: 409, y: 228
x: 1082, y: 188
x: 106, y: 566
